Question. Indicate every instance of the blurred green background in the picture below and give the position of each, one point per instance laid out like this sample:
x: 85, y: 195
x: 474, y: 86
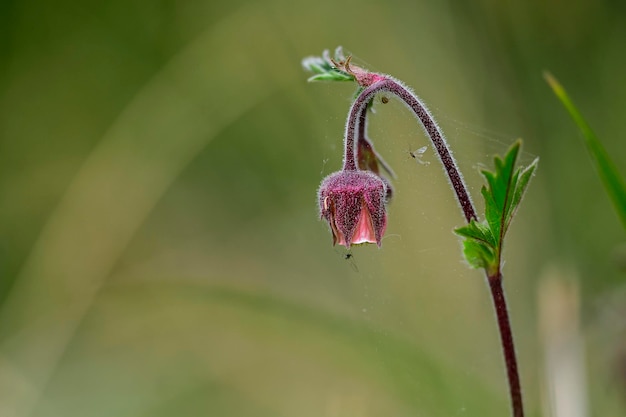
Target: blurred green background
x: 160, y: 252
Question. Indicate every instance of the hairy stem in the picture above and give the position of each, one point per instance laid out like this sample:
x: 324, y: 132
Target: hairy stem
x: 427, y: 122
x: 356, y: 125
x: 362, y: 124
x: 508, y: 346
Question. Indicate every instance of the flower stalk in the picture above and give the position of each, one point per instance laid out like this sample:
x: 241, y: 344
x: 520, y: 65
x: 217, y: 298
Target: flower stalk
x: 388, y: 84
x: 483, y: 240
x: 356, y: 121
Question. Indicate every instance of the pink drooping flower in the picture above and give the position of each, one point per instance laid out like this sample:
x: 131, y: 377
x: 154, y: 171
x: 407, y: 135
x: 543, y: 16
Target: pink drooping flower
x: 353, y: 203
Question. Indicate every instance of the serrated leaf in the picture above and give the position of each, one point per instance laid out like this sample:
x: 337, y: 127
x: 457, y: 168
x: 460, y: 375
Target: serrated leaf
x: 479, y: 245
x: 523, y: 176
x: 523, y: 181
x: 502, y: 194
x: 500, y: 180
x: 477, y: 231
x: 478, y: 254
x: 324, y: 69
x: 509, y: 178
x: 492, y: 213
x: 315, y: 64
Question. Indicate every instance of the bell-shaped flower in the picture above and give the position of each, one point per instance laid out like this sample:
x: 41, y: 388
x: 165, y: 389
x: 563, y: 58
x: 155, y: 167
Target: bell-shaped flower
x: 353, y: 203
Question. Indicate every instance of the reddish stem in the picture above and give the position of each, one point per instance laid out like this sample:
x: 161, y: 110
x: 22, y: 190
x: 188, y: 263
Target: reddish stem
x: 427, y: 122
x: 508, y: 346
x: 357, y: 120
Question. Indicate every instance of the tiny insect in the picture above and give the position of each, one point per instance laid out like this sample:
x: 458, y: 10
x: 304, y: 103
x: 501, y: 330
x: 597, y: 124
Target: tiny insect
x: 418, y: 154
x: 349, y: 257
x: 384, y: 100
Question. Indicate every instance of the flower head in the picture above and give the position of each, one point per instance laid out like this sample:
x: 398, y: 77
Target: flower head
x: 353, y: 203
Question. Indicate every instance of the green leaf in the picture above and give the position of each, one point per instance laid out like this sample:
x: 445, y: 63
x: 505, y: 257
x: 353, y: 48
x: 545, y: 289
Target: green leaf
x: 324, y: 69
x: 332, y: 75
x: 611, y: 179
x: 479, y: 255
x: 477, y: 231
x: 503, y: 193
x: 523, y: 177
x: 479, y: 245
x: 509, y: 178
x: 492, y: 214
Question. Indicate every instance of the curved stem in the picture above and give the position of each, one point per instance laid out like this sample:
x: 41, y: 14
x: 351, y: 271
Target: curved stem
x: 362, y: 124
x: 356, y: 115
x: 366, y: 157
x: 357, y: 120
x: 427, y: 122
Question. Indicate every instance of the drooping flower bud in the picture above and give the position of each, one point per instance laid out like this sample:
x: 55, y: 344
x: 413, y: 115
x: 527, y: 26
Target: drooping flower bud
x: 353, y: 203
